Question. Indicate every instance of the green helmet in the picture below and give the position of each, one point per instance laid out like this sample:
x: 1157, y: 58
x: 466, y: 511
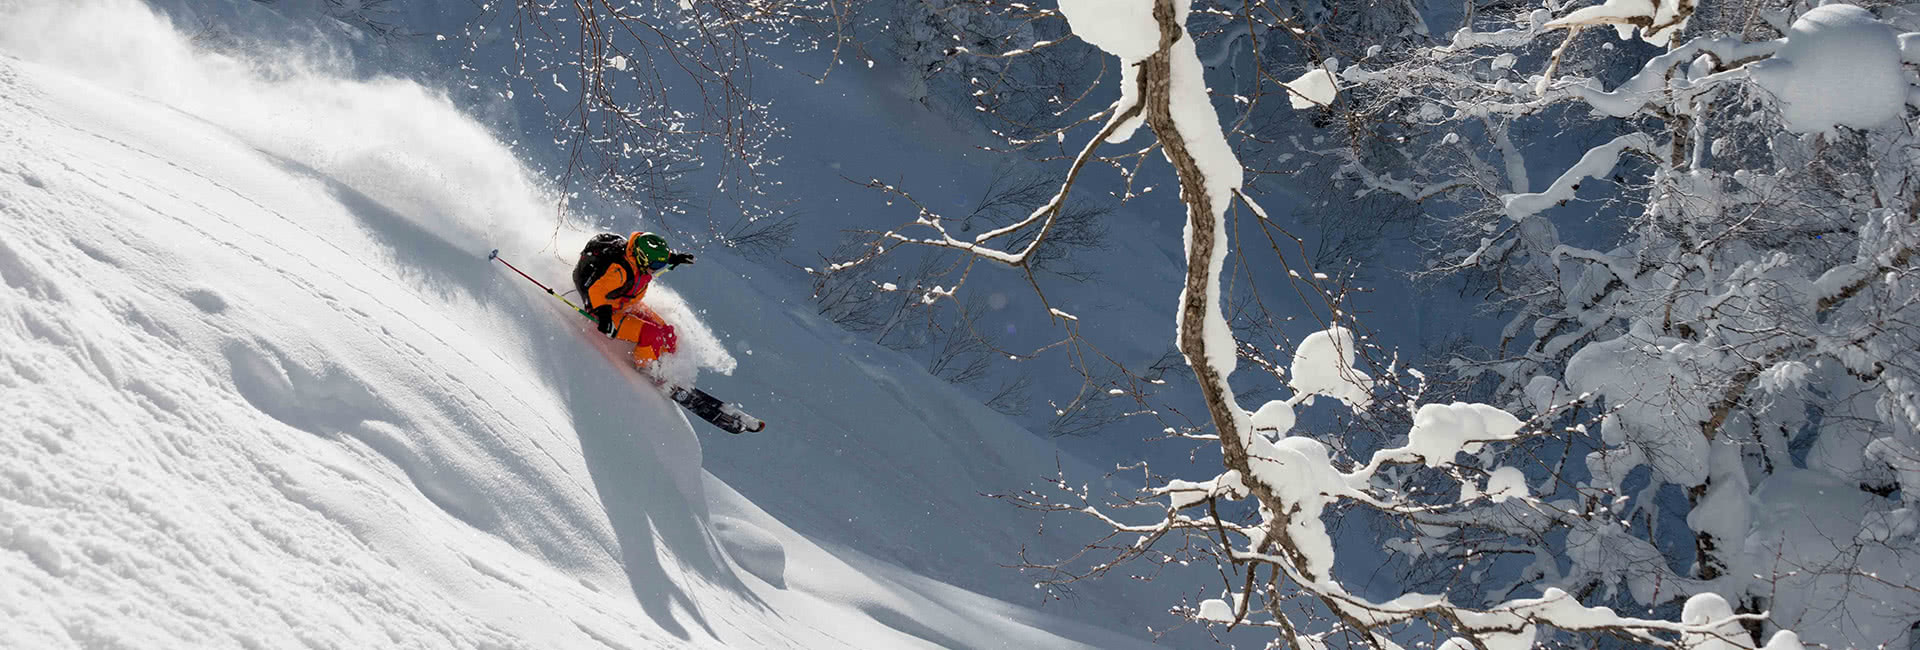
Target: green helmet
x: 648, y: 247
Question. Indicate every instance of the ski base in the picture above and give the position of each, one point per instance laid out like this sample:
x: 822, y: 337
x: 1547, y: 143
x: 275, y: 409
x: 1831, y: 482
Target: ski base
x: 726, y: 416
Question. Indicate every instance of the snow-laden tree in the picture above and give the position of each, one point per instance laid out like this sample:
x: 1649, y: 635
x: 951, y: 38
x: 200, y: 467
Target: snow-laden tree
x: 1748, y: 342
x: 1265, y: 517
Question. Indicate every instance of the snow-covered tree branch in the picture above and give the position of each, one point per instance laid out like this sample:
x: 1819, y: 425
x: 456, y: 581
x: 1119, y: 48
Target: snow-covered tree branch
x: 1749, y: 338
x: 1662, y: 344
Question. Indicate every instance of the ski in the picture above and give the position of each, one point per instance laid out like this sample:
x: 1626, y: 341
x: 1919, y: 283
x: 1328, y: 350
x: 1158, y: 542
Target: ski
x: 728, y: 417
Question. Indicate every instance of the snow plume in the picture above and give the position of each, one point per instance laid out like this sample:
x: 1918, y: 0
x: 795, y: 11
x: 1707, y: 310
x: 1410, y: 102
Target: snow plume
x: 443, y: 185
x: 390, y: 140
x: 699, y: 347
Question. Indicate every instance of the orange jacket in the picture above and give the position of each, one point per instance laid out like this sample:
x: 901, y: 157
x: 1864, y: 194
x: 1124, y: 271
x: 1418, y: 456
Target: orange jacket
x: 612, y: 288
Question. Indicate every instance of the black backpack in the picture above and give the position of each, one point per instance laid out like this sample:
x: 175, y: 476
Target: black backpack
x: 604, y: 250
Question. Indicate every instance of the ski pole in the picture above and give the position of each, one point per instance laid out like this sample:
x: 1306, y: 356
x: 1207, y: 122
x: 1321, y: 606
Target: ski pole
x: 495, y: 256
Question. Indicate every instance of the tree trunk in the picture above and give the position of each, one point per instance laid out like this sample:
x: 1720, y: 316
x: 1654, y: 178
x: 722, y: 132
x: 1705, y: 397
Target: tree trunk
x: 1155, y: 88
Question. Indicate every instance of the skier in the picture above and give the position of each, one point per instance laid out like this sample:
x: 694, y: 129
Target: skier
x: 612, y: 277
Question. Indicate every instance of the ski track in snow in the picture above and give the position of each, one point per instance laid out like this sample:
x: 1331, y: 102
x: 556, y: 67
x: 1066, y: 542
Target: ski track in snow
x: 247, y: 403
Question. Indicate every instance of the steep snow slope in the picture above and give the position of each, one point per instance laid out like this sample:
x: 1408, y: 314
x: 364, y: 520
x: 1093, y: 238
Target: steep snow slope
x: 259, y: 386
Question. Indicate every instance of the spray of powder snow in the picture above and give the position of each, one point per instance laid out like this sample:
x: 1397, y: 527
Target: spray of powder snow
x: 393, y: 140
x: 398, y: 143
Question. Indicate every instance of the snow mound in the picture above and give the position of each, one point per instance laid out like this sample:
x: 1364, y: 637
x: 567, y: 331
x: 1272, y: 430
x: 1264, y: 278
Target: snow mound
x: 1840, y: 67
x: 753, y: 548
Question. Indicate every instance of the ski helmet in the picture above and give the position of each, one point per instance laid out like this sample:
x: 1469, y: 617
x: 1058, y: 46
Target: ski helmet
x: 649, y: 247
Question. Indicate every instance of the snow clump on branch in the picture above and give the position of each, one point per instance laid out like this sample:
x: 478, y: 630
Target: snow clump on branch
x: 1323, y: 365
x: 1315, y: 88
x: 1839, y: 67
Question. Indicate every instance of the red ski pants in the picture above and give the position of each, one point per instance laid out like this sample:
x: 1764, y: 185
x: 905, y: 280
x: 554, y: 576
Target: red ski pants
x: 650, y: 335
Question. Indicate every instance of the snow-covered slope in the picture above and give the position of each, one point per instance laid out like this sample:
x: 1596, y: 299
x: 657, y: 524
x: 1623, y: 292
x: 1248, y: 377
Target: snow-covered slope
x: 260, y: 386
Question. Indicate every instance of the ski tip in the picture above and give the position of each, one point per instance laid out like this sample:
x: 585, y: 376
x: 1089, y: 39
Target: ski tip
x: 494, y: 254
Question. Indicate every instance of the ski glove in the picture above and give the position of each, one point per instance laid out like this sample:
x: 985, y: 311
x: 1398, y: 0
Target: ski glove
x: 677, y: 259
x: 603, y: 315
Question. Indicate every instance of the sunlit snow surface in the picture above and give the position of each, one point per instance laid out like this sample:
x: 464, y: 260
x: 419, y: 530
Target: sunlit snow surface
x: 260, y: 386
